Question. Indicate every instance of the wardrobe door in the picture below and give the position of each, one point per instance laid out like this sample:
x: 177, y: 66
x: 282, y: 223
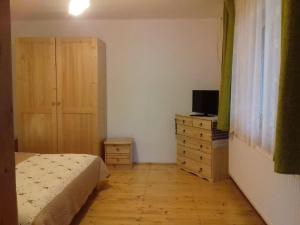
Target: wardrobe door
x: 36, y: 95
x: 77, y: 95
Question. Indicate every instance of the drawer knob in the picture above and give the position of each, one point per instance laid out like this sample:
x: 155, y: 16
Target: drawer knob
x: 201, y: 135
x: 183, y: 163
x: 200, y: 170
x: 184, y: 141
x: 201, y: 146
x: 201, y: 124
x: 183, y: 152
x: 183, y: 131
x: 201, y: 157
x: 183, y: 121
x: 118, y: 149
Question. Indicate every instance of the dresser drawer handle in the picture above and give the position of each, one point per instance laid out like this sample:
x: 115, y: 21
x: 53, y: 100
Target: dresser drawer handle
x: 201, y: 157
x: 117, y: 149
x: 200, y: 170
x: 201, y: 146
x: 184, y: 162
x: 184, y: 141
x: 201, y: 124
x: 183, y: 121
x: 183, y: 131
x: 201, y: 135
x: 183, y: 152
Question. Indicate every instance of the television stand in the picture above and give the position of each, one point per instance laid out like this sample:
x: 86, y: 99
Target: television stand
x: 202, y: 149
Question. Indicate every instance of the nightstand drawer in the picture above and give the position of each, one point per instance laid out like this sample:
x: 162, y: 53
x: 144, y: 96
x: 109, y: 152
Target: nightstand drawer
x: 117, y: 149
x: 118, y: 160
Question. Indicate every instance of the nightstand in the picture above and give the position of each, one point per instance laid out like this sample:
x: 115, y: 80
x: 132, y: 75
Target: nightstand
x: 118, y: 151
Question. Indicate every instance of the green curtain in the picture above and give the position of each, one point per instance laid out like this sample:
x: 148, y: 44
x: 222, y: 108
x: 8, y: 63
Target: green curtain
x: 287, y: 147
x: 225, y: 90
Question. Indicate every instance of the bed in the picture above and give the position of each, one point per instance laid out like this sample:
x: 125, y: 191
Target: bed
x: 51, y: 189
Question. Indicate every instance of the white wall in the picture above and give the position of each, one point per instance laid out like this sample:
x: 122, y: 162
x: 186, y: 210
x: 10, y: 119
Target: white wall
x: 276, y: 197
x: 152, y: 68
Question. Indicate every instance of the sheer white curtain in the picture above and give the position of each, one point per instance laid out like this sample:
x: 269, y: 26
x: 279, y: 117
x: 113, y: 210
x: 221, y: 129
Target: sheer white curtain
x: 256, y: 64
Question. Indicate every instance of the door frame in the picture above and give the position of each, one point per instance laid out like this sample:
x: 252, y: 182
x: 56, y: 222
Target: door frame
x: 8, y: 199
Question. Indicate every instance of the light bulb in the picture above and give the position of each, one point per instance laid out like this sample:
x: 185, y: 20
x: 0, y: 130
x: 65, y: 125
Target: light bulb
x: 77, y: 7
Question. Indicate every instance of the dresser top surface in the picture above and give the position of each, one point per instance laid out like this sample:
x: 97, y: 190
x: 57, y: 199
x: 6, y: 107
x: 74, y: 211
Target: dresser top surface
x: 212, y: 118
x: 120, y: 141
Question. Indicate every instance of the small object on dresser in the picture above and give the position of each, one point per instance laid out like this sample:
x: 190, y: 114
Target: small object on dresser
x: 118, y: 151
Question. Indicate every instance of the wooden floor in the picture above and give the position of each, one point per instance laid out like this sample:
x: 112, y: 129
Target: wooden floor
x: 151, y: 194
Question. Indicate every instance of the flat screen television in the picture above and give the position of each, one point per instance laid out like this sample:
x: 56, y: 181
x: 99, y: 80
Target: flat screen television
x: 205, y: 102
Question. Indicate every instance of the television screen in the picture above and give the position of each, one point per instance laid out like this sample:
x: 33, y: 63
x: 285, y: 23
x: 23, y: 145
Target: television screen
x: 206, y: 102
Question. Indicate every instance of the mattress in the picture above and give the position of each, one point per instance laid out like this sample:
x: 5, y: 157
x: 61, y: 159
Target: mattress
x: 51, y: 189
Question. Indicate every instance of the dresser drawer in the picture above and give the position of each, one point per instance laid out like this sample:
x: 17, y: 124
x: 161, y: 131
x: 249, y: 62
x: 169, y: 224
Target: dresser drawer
x: 204, y: 124
x: 184, y: 120
x: 118, y: 160
x: 194, y: 166
x: 205, y: 171
x: 194, y: 155
x: 194, y: 143
x: 117, y: 149
x: 194, y: 132
x: 181, y: 161
x: 185, y: 130
x: 202, y: 134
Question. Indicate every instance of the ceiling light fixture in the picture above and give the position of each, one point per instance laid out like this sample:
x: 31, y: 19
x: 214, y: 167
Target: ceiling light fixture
x: 77, y: 7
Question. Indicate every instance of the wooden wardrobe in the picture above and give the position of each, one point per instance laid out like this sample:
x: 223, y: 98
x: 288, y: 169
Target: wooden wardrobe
x: 60, y: 95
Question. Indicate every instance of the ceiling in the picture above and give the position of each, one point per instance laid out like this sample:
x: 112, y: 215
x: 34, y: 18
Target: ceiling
x: 118, y: 9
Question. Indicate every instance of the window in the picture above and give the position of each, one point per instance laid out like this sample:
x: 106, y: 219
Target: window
x: 256, y: 65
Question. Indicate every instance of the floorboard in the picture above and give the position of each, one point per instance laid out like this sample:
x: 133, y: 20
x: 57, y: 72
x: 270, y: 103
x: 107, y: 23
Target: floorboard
x: 151, y: 194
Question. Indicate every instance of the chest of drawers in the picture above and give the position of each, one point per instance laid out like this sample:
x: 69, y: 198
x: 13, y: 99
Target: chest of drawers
x: 201, y: 148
